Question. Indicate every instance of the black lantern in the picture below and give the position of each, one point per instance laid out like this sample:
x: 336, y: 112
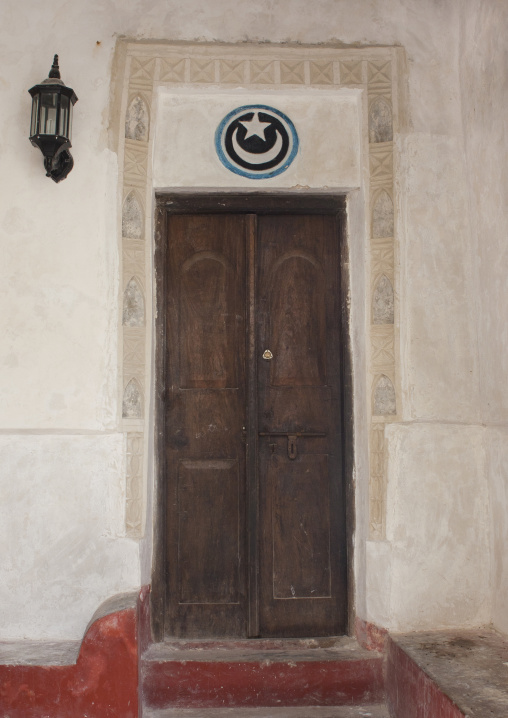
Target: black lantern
x: 50, y: 130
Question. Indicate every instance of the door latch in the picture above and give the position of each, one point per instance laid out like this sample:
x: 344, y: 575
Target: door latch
x: 292, y: 439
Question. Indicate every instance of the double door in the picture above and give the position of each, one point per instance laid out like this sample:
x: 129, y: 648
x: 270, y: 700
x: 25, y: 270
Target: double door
x: 252, y: 467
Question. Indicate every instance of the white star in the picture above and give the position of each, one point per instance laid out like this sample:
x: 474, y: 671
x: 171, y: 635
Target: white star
x: 255, y: 127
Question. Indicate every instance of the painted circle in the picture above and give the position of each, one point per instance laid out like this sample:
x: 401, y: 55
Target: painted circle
x: 256, y: 141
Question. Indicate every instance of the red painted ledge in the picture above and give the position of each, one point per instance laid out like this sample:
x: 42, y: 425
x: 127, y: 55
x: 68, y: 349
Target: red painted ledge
x: 410, y: 692
x: 370, y: 636
x: 102, y: 684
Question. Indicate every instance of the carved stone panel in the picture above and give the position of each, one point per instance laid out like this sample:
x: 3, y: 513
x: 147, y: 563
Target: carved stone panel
x: 380, y: 121
x: 382, y: 216
x: 132, y: 217
x: 382, y: 302
x: 137, y: 120
x: 384, y: 397
x: 132, y: 405
x: 133, y: 305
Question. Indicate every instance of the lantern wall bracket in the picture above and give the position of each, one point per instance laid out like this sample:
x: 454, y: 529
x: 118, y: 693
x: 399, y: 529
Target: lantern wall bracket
x: 50, y: 129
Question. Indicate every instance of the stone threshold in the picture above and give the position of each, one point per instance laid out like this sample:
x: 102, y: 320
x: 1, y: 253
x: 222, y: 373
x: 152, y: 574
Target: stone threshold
x: 339, y: 648
x: 366, y: 711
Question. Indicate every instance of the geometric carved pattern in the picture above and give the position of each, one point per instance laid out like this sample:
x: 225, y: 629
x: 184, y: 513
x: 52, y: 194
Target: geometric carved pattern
x: 135, y: 162
x: 381, y: 163
x: 262, y: 72
x: 134, y: 486
x: 321, y: 73
x: 142, y: 70
x: 292, y: 73
x: 232, y: 71
x: 172, y: 70
x: 382, y: 347
x: 133, y: 259
x: 134, y: 351
x: 351, y: 73
x: 381, y: 257
x: 379, y: 74
x: 233, y: 66
x: 202, y: 71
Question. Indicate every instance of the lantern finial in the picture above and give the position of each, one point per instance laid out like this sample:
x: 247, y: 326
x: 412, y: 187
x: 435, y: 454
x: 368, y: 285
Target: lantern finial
x: 54, y: 73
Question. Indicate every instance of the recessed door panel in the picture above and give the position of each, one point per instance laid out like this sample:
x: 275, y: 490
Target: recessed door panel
x: 300, y: 526
x: 208, y: 540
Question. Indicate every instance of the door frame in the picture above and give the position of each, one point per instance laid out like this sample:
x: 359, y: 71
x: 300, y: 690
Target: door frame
x: 263, y: 203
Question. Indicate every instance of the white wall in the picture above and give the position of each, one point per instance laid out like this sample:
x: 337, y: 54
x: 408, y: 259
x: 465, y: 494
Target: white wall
x: 484, y: 84
x: 59, y: 281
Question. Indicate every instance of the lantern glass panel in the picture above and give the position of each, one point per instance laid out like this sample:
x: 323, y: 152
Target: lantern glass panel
x: 48, y: 114
x: 63, y: 124
x: 35, y: 115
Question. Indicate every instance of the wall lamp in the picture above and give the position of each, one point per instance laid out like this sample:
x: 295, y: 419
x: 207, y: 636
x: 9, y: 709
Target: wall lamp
x: 50, y: 129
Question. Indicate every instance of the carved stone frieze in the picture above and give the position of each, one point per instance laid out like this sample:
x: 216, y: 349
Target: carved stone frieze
x: 382, y: 347
x: 149, y: 66
x: 351, y: 72
x: 292, y: 73
x: 322, y: 73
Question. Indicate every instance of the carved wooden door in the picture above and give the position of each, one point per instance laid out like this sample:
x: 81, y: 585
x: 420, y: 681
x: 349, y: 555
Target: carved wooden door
x: 254, y: 530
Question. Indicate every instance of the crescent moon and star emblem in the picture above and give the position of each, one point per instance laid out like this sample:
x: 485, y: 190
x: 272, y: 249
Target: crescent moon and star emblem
x: 256, y: 141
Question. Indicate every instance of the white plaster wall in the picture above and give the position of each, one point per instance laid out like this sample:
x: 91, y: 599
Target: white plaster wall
x: 59, y: 278
x: 328, y: 127
x: 61, y: 533
x: 436, y: 572
x: 484, y: 84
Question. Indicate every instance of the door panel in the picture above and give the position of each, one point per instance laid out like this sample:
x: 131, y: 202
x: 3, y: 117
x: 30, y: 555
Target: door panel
x: 205, y: 412
x: 256, y: 546
x: 301, y: 532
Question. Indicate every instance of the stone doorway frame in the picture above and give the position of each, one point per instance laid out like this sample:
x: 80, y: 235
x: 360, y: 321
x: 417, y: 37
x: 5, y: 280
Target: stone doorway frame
x: 140, y: 69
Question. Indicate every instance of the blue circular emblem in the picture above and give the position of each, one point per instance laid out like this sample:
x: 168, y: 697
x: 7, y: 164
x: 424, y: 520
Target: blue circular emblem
x: 256, y: 141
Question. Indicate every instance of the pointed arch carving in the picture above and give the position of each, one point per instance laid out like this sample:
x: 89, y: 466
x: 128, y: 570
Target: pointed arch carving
x: 382, y: 216
x: 132, y: 404
x: 383, y: 301
x: 380, y: 121
x: 384, y: 403
x: 133, y: 221
x: 137, y: 120
x: 133, y: 314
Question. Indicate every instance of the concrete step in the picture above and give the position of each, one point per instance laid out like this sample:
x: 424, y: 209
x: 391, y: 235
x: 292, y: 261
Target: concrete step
x: 454, y: 674
x: 366, y: 711
x: 255, y: 673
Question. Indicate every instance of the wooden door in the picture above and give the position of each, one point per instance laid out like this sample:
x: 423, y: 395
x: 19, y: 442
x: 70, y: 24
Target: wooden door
x: 254, y: 518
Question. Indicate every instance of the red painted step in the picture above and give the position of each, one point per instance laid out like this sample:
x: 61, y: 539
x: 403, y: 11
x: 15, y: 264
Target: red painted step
x: 295, y: 672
